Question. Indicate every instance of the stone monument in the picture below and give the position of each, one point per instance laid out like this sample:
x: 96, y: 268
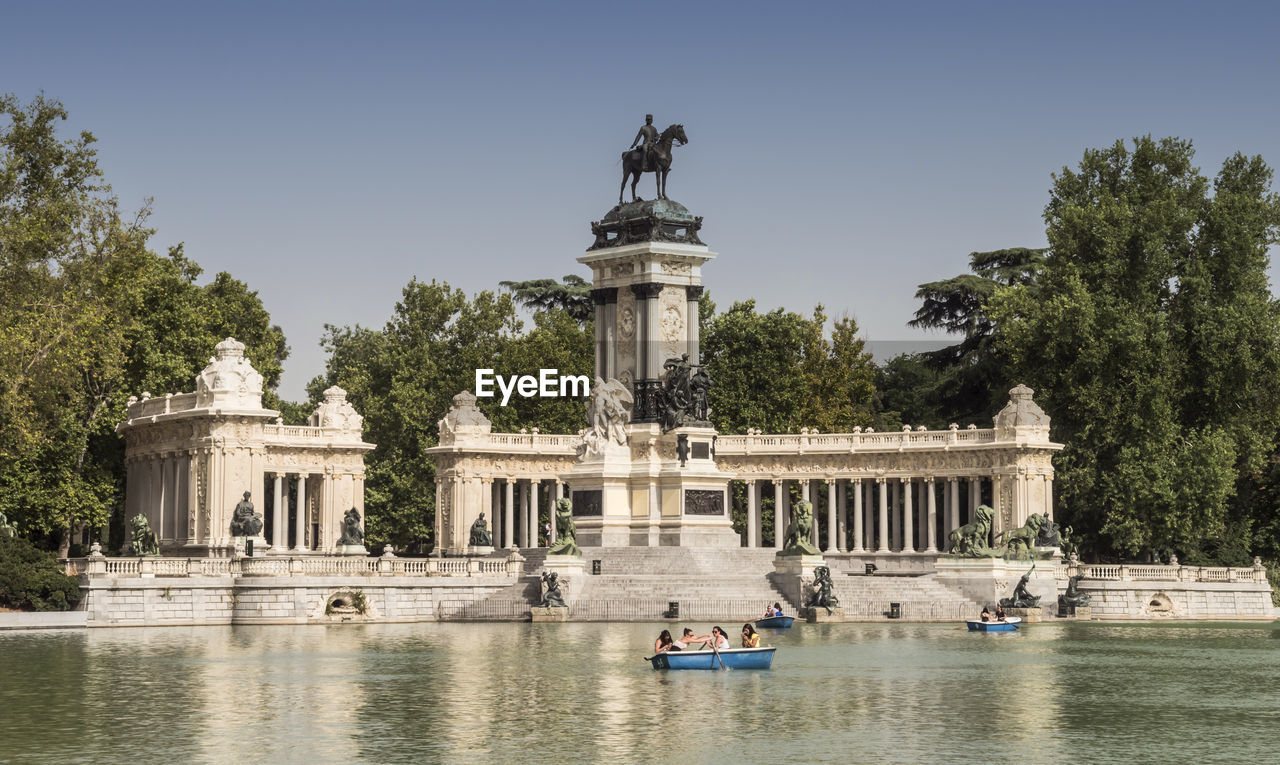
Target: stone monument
x: 352, y: 540
x: 564, y: 559
x: 480, y: 538
x: 646, y: 475
x: 246, y: 527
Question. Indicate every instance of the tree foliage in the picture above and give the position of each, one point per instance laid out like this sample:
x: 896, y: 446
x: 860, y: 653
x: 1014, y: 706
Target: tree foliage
x: 572, y: 295
x: 1153, y: 341
x: 88, y: 316
x: 403, y: 378
x: 32, y: 580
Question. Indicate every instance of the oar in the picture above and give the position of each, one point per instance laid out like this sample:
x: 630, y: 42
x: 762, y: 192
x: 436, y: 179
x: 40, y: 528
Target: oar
x: 716, y: 651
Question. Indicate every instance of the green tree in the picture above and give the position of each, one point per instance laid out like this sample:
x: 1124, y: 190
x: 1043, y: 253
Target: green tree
x: 1151, y: 328
x: 573, y: 296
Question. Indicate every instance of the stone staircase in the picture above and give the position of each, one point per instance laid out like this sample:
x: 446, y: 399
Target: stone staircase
x: 712, y: 584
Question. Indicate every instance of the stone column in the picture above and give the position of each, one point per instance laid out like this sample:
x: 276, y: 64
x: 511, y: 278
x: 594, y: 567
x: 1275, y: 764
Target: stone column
x: 753, y: 508
x: 804, y: 490
x: 522, y: 505
x: 279, y: 519
x: 855, y: 487
x: 975, y: 496
x: 508, y: 514
x: 842, y: 521
x: 610, y: 353
x: 908, y: 513
x: 882, y: 532
x: 300, y: 514
x: 534, y: 486
x: 832, y: 536
x: 597, y: 299
x: 953, y: 504
x: 814, y: 535
x: 895, y: 517
x: 647, y: 297
x: 692, y: 293
x: 779, y: 488
x: 931, y: 541
x: 193, y: 498
x: 1048, y: 496
x: 155, y: 513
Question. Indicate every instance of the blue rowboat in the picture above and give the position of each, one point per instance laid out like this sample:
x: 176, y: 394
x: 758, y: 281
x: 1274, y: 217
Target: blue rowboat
x: 1008, y: 625
x: 775, y: 622
x: 733, y: 658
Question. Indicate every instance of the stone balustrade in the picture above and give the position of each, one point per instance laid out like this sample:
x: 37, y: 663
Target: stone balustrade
x: 1125, y: 572
x: 806, y: 443
x: 282, y: 566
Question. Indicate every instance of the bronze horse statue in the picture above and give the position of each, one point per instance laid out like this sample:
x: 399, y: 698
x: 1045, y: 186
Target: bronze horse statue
x: 659, y: 162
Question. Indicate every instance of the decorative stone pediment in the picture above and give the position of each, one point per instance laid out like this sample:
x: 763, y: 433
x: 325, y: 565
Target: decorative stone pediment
x: 230, y: 381
x: 463, y: 419
x: 336, y: 412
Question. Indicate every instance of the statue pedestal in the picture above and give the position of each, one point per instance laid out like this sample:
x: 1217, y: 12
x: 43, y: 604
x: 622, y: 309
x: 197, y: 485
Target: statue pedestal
x: 553, y: 614
x: 819, y: 615
x: 1028, y: 615
x: 480, y: 551
x: 1077, y: 613
x: 793, y: 574
x: 987, y: 580
x: 351, y: 550
x: 569, y: 571
x: 241, y: 546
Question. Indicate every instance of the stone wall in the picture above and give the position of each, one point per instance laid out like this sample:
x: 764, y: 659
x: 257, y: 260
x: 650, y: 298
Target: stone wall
x: 1179, y: 600
x: 281, y: 600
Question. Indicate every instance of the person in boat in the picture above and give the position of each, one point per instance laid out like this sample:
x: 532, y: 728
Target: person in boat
x: 664, y: 642
x: 750, y: 638
x: 999, y: 617
x: 717, y: 639
x: 686, y: 640
x: 986, y: 615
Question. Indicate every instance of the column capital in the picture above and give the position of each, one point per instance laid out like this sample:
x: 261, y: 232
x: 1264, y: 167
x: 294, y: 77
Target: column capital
x: 646, y: 290
x: 693, y: 292
x: 603, y: 295
x: 828, y: 481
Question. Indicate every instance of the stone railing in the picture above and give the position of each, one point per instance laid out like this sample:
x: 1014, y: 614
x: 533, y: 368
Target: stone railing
x: 167, y: 404
x: 802, y: 443
x: 516, y: 443
x: 1125, y: 572
x: 131, y: 568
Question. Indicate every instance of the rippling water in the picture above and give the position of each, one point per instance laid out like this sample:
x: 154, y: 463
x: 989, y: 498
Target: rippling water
x: 581, y: 692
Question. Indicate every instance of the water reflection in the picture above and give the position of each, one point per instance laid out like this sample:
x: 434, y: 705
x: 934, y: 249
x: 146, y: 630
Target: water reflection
x: 582, y: 692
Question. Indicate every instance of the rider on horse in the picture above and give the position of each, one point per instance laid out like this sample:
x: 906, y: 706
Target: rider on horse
x: 649, y: 134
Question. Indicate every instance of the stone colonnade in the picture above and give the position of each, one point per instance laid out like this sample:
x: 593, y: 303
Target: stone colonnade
x: 874, y: 515
x: 324, y: 497
x: 516, y: 505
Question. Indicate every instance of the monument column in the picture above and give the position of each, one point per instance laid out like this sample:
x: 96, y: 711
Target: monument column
x: 610, y: 353
x: 832, y: 537
x: 300, y: 514
x: 779, y: 486
x: 597, y: 299
x: 842, y: 525
x: 534, y: 486
x: 855, y: 487
x: 953, y: 504
x: 882, y: 531
x: 753, y: 507
x: 508, y: 514
x: 931, y: 541
x: 692, y: 294
x: 279, y: 519
x: 908, y: 538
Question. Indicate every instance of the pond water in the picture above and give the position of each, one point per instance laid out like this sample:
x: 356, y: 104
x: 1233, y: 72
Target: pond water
x: 581, y: 692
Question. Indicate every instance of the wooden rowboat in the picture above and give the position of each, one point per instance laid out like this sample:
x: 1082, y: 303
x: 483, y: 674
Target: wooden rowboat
x: 1009, y: 624
x: 733, y: 658
x: 775, y: 622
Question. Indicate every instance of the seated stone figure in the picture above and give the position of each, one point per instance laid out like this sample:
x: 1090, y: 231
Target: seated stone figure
x: 823, y: 597
x: 144, y: 539
x: 1022, y: 597
x: 1050, y: 534
x: 245, y: 522
x: 566, y: 534
x: 1073, y: 597
x: 352, y: 534
x: 480, y: 536
x: 552, y: 598
x: 800, y: 531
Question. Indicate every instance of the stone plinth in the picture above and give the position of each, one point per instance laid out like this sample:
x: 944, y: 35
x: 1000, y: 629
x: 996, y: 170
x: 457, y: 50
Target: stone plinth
x: 552, y: 614
x: 479, y: 550
x: 1078, y: 613
x: 351, y: 550
x: 987, y: 580
x: 794, y: 573
x: 569, y: 570
x: 1027, y: 614
x: 819, y: 615
x: 241, y: 544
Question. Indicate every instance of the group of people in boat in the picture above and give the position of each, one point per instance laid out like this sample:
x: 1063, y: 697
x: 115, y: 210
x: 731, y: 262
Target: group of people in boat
x: 717, y: 640
x: 993, y: 616
x: 772, y: 611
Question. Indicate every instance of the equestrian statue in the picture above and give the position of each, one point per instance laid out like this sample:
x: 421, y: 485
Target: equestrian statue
x: 653, y: 156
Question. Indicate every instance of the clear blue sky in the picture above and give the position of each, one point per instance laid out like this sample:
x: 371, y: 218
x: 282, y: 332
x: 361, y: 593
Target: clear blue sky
x: 840, y: 153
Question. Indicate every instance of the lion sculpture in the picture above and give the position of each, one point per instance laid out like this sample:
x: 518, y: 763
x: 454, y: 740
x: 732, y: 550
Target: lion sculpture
x: 144, y: 539
x: 1019, y: 542
x: 973, y: 538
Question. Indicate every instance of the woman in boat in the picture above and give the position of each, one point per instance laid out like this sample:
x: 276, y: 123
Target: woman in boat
x: 986, y: 615
x: 717, y: 639
x: 999, y: 617
x: 750, y: 638
x: 664, y: 642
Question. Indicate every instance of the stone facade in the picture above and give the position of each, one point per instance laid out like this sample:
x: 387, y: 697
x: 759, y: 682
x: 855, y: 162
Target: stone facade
x: 190, y: 457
